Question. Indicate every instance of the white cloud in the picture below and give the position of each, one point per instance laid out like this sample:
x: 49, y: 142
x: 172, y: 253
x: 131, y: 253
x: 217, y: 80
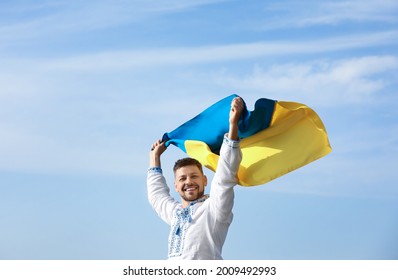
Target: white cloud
x: 340, y: 11
x: 320, y: 13
x: 323, y: 81
x: 138, y: 59
x: 56, y: 18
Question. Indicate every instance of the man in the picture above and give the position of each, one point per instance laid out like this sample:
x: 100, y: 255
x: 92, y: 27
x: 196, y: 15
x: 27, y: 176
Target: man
x: 199, y: 224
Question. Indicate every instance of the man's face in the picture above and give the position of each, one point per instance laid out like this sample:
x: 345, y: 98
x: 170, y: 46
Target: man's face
x: 190, y: 182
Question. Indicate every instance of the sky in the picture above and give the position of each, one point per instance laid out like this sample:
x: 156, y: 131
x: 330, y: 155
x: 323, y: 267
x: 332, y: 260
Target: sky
x: 87, y: 86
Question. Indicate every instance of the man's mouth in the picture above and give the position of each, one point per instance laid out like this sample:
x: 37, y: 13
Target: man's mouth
x: 189, y: 188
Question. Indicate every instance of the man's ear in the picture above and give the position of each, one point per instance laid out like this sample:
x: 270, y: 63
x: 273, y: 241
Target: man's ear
x: 205, y: 180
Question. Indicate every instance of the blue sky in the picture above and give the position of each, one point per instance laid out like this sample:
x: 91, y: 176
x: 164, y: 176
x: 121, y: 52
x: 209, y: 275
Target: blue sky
x: 87, y: 86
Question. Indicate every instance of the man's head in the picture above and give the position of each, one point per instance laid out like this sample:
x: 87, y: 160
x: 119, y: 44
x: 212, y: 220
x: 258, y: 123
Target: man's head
x: 189, y: 179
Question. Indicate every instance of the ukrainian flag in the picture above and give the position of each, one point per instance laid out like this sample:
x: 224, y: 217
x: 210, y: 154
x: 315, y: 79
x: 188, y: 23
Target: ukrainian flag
x: 276, y: 137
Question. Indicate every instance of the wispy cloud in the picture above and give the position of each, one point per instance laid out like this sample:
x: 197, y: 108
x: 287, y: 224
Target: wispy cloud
x: 321, y: 13
x: 29, y: 76
x: 323, y: 81
x: 57, y: 18
x: 122, y: 60
x: 334, y: 12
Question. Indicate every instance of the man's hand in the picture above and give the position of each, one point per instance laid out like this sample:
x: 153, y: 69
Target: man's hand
x: 157, y: 150
x: 237, y: 106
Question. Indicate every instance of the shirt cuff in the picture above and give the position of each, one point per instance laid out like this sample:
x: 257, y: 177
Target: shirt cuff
x: 231, y: 143
x: 155, y: 170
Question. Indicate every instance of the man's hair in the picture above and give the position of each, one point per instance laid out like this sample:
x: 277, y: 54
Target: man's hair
x: 186, y: 162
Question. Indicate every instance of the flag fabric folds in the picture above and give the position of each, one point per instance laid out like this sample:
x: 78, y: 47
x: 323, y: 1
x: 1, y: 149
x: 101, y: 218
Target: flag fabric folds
x: 276, y: 137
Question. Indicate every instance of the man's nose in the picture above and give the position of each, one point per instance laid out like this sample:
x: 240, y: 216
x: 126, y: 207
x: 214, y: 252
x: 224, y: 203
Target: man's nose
x: 188, y: 181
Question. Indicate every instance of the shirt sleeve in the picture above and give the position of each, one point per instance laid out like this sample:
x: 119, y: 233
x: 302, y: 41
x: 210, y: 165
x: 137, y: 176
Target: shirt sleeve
x: 222, y: 191
x: 159, y: 195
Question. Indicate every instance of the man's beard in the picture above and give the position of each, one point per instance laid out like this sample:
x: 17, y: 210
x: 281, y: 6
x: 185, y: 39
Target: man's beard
x: 200, y: 194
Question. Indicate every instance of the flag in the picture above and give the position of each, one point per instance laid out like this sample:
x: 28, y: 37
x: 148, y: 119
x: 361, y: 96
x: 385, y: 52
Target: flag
x: 277, y: 137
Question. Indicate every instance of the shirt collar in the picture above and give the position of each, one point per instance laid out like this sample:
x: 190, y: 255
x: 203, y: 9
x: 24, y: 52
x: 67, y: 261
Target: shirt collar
x: 202, y: 199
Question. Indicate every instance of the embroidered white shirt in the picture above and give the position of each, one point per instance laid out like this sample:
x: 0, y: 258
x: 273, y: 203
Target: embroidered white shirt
x: 199, y: 230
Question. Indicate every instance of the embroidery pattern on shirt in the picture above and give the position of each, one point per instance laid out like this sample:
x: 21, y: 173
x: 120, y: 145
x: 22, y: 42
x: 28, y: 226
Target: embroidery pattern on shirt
x: 182, y: 218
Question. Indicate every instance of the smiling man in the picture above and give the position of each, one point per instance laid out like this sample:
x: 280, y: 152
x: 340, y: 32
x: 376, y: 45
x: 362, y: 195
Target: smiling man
x: 190, y: 180
x: 200, y: 223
